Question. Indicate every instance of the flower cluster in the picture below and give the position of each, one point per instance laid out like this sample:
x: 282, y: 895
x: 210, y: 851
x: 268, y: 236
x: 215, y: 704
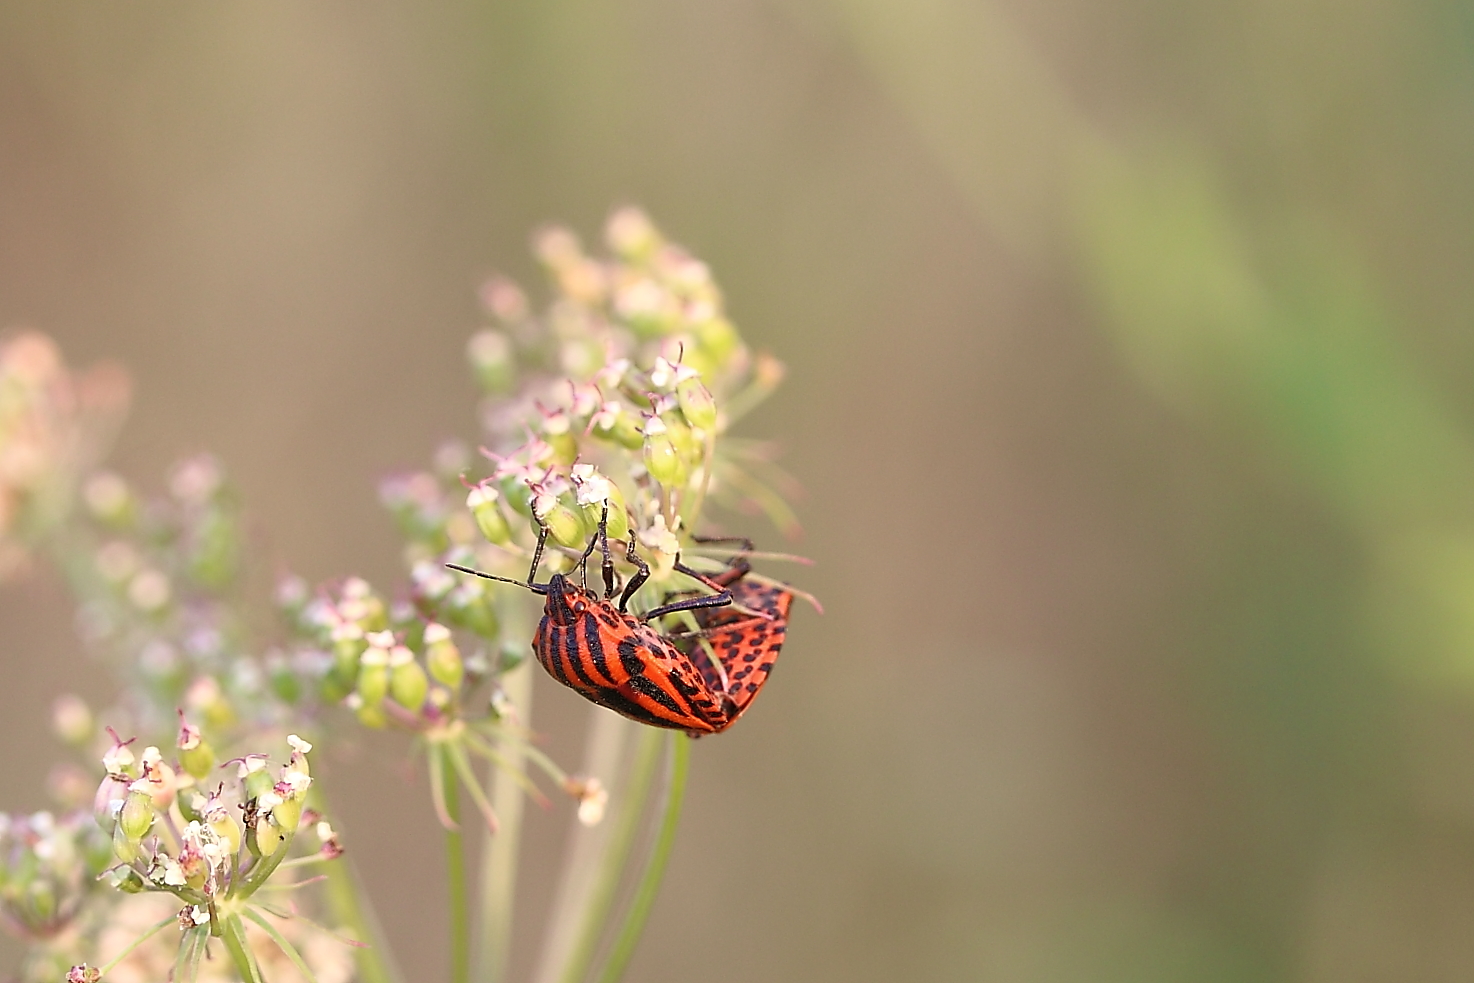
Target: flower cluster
x: 212, y: 849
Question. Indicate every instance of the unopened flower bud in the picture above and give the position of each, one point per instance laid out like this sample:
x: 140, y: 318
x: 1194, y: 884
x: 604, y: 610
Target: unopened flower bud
x: 136, y: 817
x: 442, y: 656
x: 482, y: 501
x: 407, y: 682
x: 662, y: 458
x: 83, y: 973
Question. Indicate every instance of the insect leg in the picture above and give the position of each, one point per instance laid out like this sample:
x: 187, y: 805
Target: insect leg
x: 638, y: 579
x: 690, y: 603
x: 604, y: 548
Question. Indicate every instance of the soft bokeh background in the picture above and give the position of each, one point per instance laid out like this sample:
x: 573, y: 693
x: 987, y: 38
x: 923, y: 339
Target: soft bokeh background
x: 1130, y: 351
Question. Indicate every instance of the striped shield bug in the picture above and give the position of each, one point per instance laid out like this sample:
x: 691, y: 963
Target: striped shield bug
x: 734, y: 646
x: 593, y: 645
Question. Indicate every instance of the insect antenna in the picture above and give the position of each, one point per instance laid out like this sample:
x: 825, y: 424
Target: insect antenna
x: 535, y: 588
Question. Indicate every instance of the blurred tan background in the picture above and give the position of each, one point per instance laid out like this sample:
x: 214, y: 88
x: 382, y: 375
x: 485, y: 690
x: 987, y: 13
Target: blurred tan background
x: 1130, y: 350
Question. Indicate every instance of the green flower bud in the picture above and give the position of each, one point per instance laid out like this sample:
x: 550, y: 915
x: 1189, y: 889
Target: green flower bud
x: 662, y: 459
x: 124, y: 849
x: 137, y: 815
x: 258, y: 780
x: 407, y: 682
x: 443, y: 658
x: 697, y: 404
x: 482, y: 501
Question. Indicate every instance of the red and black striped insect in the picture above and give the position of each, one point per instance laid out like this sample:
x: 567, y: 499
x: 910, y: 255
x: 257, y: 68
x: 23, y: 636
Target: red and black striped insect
x: 618, y: 660
x: 735, y: 646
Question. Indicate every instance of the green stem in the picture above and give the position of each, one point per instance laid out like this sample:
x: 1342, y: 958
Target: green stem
x: 499, y: 861
x: 234, y: 936
x: 455, y: 877
x: 644, y: 899
x: 601, y: 897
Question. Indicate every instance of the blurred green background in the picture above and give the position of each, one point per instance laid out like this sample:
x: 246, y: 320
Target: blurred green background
x: 1130, y: 350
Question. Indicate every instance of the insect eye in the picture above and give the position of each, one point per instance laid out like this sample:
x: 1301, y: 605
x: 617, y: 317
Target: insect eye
x: 580, y: 606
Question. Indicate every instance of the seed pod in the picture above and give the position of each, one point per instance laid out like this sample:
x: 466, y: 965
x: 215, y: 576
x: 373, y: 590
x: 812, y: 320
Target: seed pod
x: 124, y: 849
x: 108, y: 801
x: 137, y: 815
x: 268, y: 838
x: 443, y: 658
x: 662, y: 459
x: 697, y: 404
x: 198, y: 761
x: 407, y: 682
x: 517, y: 495
x: 684, y: 439
x: 482, y: 501
x: 563, y: 524
x: 258, y: 780
x: 373, y: 677
x: 287, y: 813
x: 228, y: 828
x: 615, y: 423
